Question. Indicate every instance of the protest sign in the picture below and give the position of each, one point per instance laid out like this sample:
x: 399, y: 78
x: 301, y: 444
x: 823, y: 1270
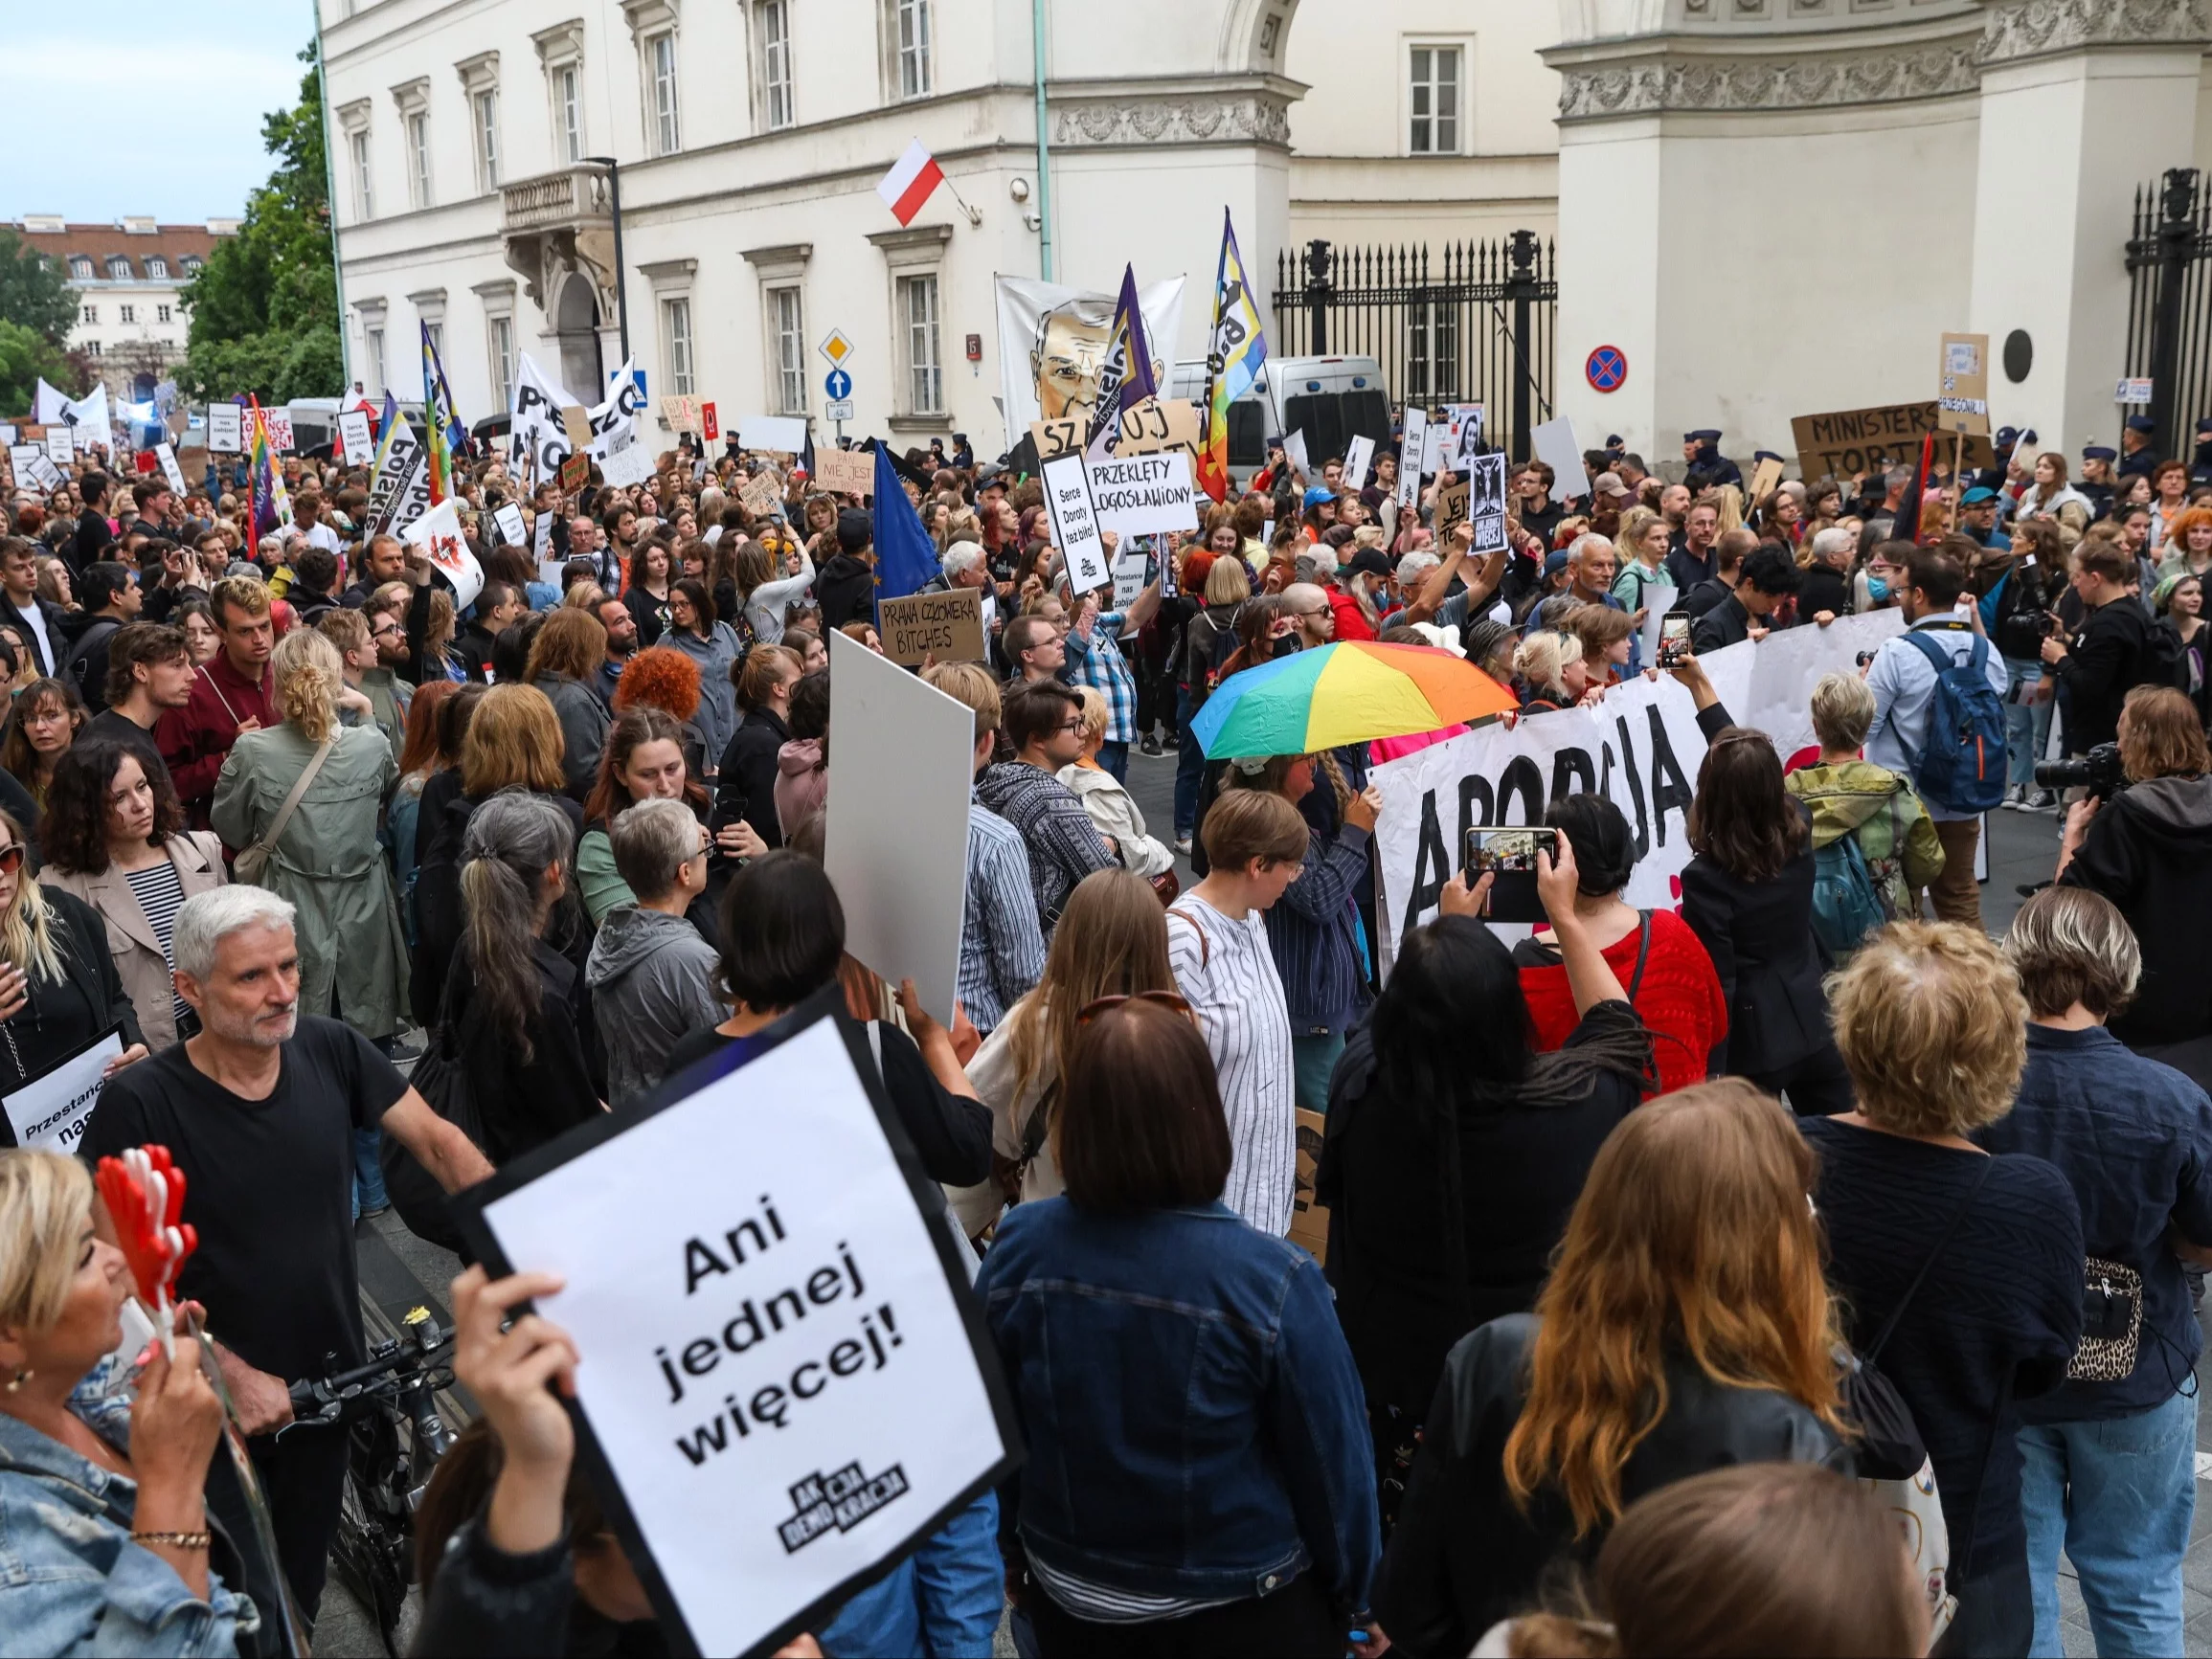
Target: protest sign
x: 1764, y: 478
x: 278, y: 423
x: 1554, y: 445
x: 354, y: 436
x: 1130, y: 571
x: 61, y: 444
x: 1156, y: 425
x: 1640, y: 745
x: 1294, y: 447
x: 576, y: 473
x: 1486, y: 484
x: 550, y: 427
x: 43, y: 472
x: 846, y: 471
x: 50, y: 1110
x: 1864, y: 441
x: 9, y: 438
x: 789, y: 1383
x: 1462, y: 434
x: 901, y: 770
x: 1056, y: 437
x: 680, y: 412
x: 1309, y: 1228
x: 23, y: 456
x: 1074, y: 516
x: 1962, y: 402
x: 1451, y: 509
x: 762, y: 494
x: 511, y: 531
x: 169, y: 469
x: 223, y: 428
x: 947, y: 625
x: 438, y: 534
x: 773, y: 434
x: 1411, y: 445
x: 624, y: 457
x: 404, y: 463
x: 1359, y: 456
x: 1144, y: 495
x: 576, y: 427
x: 1433, y: 457
x: 709, y: 426
x: 541, y: 542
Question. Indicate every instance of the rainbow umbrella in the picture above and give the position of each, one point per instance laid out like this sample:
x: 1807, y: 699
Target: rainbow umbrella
x: 1349, y: 692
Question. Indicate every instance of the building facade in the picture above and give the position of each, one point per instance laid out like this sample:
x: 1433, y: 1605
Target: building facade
x: 127, y: 275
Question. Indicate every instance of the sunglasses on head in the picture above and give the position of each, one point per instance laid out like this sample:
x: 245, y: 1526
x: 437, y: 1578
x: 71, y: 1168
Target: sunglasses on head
x: 1090, y: 1011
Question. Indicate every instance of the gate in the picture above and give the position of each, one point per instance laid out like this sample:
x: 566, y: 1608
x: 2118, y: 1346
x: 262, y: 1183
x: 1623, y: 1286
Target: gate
x: 1474, y: 325
x: 2170, y: 305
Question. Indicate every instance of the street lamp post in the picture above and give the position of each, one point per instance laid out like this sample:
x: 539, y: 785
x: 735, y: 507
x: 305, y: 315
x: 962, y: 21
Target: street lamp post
x: 621, y: 270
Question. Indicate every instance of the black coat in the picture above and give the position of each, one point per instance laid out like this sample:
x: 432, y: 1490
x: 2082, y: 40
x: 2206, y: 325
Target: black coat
x: 56, y: 632
x: 524, y: 1104
x: 1725, y: 624
x: 845, y: 589
x: 1760, y: 937
x: 2108, y: 658
x: 1824, y: 590
x: 91, y: 542
x: 745, y: 789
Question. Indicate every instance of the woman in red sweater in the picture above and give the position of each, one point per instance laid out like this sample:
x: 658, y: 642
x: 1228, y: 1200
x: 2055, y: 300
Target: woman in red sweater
x: 1669, y: 978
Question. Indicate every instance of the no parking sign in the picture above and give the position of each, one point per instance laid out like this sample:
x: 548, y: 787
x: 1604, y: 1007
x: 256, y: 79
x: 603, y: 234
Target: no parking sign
x: 1606, y: 369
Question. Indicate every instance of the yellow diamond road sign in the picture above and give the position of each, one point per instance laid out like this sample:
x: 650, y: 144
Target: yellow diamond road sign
x: 837, y: 349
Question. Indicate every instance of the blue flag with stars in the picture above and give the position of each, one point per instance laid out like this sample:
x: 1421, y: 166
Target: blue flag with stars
x: 905, y: 558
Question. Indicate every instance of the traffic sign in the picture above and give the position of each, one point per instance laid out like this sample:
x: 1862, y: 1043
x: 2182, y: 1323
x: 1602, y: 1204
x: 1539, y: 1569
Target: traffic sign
x: 1606, y: 368
x: 837, y: 347
x: 839, y: 410
x: 838, y: 383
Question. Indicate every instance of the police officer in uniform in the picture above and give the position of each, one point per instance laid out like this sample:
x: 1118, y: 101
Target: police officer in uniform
x: 1708, y: 467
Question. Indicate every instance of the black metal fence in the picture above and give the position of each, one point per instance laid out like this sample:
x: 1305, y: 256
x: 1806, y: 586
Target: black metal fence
x: 1474, y: 323
x: 2170, y: 303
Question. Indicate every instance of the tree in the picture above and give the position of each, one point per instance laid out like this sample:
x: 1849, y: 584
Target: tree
x: 34, y: 293
x: 265, y: 308
x: 25, y: 355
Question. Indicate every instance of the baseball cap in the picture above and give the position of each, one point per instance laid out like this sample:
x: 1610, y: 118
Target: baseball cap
x: 1608, y: 483
x: 1367, y: 562
x: 1976, y: 496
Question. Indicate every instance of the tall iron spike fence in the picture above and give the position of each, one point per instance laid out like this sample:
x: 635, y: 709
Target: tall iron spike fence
x: 2170, y: 303
x: 1473, y: 322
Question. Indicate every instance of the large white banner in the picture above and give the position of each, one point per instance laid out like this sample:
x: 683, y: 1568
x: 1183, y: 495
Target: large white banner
x: 539, y: 431
x: 1640, y: 746
x: 1052, y: 340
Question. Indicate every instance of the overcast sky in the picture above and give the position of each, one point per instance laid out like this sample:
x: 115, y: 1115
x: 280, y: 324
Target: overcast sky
x: 160, y: 105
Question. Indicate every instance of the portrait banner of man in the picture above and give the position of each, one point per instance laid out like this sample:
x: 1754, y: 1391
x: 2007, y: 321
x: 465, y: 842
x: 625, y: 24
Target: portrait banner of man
x: 1052, y: 339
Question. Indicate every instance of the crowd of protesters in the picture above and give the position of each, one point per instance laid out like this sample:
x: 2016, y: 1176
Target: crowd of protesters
x: 1650, y: 1236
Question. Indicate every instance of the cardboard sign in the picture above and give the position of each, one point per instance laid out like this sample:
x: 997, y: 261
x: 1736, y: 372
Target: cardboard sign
x: 1144, y: 495
x: 223, y: 429
x: 1309, y: 1228
x: 1451, y: 509
x: 1158, y: 425
x: 763, y: 495
x: 1359, y: 456
x: 577, y: 424
x: 1962, y: 400
x: 1555, y: 444
x: 680, y: 411
x: 1075, y: 526
x: 790, y: 1384
x: 355, y: 437
x: 1866, y: 440
x: 1411, y: 446
x: 709, y: 427
x: 169, y: 469
x: 902, y: 788
x: 846, y: 471
x: 50, y: 1110
x: 61, y: 445
x: 773, y: 434
x: 1055, y: 438
x: 576, y: 473
x: 1764, y: 478
x: 278, y: 423
x: 512, y: 530
x: 946, y: 625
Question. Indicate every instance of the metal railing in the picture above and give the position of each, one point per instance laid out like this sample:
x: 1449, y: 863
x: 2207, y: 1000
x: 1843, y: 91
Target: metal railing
x: 2170, y: 305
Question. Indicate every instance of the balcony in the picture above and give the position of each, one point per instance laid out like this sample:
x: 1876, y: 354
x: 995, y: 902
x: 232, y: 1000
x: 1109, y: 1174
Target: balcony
x: 567, y: 199
x: 557, y: 224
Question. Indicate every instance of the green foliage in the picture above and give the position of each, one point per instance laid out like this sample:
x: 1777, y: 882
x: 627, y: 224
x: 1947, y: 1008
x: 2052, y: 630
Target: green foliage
x: 26, y: 354
x: 33, y: 294
x: 265, y: 308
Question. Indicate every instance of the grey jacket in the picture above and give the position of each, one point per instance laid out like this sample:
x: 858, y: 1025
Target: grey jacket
x: 652, y: 981
x: 584, y: 723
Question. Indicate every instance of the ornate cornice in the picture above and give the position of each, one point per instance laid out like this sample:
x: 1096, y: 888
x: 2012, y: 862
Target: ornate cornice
x: 2038, y: 28
x: 1182, y: 117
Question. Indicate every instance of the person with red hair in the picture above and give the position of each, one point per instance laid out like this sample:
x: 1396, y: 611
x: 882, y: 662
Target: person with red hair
x: 663, y: 678
x: 2188, y: 544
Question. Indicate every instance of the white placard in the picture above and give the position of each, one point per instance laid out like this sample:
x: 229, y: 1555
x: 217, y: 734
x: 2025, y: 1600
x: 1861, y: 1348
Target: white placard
x: 44, y: 473
x: 438, y: 534
x: 1432, y: 457
x: 9, y: 437
x: 1555, y: 444
x: 1359, y: 456
x: 24, y: 456
x: 1129, y: 574
x: 901, y: 776
x: 51, y: 1111
x: 512, y: 530
x: 1659, y: 598
x: 778, y: 434
x: 223, y: 429
x: 167, y: 455
x: 784, y: 1381
x: 1143, y: 495
x: 541, y: 538
x: 279, y: 422
x: 61, y: 445
x: 355, y: 436
x: 1486, y: 502
x: 1075, y: 525
x: 1294, y: 446
x: 624, y: 459
x: 1412, y: 444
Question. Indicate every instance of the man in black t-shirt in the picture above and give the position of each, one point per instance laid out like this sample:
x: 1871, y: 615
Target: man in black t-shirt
x: 259, y: 1112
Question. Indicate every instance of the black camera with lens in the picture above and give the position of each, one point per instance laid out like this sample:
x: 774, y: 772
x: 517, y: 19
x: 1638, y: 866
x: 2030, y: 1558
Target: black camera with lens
x: 2099, y: 771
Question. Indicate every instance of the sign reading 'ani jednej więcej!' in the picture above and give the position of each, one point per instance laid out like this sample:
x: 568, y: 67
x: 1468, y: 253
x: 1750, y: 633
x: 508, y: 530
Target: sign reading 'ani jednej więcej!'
x: 786, y: 1381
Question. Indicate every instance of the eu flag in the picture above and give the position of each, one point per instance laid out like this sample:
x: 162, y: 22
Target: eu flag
x: 906, y: 559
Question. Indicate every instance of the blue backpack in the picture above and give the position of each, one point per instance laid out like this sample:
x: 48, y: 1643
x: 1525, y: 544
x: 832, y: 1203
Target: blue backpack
x: 1845, y: 906
x: 1962, y: 762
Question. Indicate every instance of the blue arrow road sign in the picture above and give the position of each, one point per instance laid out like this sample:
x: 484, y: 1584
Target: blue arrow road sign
x: 838, y: 383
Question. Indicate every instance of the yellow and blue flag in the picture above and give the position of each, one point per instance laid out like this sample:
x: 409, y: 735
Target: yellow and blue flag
x: 1234, y: 355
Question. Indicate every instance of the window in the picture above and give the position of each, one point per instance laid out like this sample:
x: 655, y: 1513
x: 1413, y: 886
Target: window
x: 1432, y: 348
x: 1435, y: 101
x: 119, y: 268
x: 436, y: 333
x: 91, y: 314
x: 676, y: 342
x: 373, y: 342
x: 773, y: 18
x: 912, y: 19
x: 192, y: 264
x: 501, y: 334
x: 917, y: 305
x: 92, y: 348
x: 157, y: 267
x: 130, y: 313
x: 357, y: 150
x: 788, y: 319
x: 80, y: 267
x: 569, y: 98
x: 661, y: 87
x: 419, y: 157
x: 161, y: 314
x: 486, y: 105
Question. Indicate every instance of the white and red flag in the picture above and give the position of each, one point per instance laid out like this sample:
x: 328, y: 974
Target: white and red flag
x: 909, y: 183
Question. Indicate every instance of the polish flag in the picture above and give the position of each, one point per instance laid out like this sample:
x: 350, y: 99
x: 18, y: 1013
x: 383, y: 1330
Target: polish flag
x: 907, y: 184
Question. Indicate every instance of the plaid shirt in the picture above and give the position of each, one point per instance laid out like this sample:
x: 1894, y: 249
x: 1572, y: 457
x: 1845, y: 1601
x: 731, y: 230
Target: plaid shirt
x: 1001, y: 948
x: 1099, y: 663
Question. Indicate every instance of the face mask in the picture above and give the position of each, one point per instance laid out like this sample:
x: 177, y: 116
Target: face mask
x: 1877, y: 589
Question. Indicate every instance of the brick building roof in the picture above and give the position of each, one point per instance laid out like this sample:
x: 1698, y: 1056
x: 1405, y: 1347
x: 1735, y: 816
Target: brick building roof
x: 104, y: 242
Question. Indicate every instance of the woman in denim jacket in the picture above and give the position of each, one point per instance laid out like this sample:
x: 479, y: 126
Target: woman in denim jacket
x: 104, y: 1537
x: 1199, y: 1477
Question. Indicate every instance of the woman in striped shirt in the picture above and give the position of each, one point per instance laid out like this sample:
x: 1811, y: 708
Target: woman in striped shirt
x: 1255, y: 846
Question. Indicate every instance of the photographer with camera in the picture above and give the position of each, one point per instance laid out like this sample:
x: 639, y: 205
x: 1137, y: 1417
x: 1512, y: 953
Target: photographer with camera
x: 2107, y: 657
x: 2143, y: 839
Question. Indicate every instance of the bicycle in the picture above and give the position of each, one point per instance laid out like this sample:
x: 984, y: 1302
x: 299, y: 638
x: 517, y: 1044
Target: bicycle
x: 396, y: 1433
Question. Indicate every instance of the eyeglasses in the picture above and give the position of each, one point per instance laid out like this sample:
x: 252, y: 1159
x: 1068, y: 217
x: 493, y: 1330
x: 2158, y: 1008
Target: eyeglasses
x: 1090, y: 1011
x: 1075, y: 725
x: 10, y: 860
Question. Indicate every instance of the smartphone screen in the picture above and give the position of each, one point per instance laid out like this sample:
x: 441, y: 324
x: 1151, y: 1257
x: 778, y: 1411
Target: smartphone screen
x: 1509, y: 858
x: 1674, y: 640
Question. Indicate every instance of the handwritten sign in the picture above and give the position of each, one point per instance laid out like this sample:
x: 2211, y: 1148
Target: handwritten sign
x: 278, y: 423
x: 509, y: 518
x: 709, y: 425
x: 1863, y: 440
x: 846, y: 471
x: 1055, y: 438
x: 1144, y: 495
x: 947, y: 625
x: 1074, y: 516
x: 763, y: 495
x: 1963, y: 398
x: 1158, y: 425
x: 680, y: 412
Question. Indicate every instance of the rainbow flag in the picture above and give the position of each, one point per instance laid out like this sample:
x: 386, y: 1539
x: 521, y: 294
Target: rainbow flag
x: 266, y: 478
x: 443, y: 429
x: 1233, y: 358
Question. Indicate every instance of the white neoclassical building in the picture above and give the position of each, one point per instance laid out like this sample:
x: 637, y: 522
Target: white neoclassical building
x: 127, y: 274
x: 1769, y: 207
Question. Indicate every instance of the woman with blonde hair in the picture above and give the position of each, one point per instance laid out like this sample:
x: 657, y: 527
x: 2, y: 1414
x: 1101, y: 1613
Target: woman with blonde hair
x: 1553, y: 671
x: 1112, y: 942
x: 307, y: 795
x: 1112, y: 811
x: 1685, y: 1327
